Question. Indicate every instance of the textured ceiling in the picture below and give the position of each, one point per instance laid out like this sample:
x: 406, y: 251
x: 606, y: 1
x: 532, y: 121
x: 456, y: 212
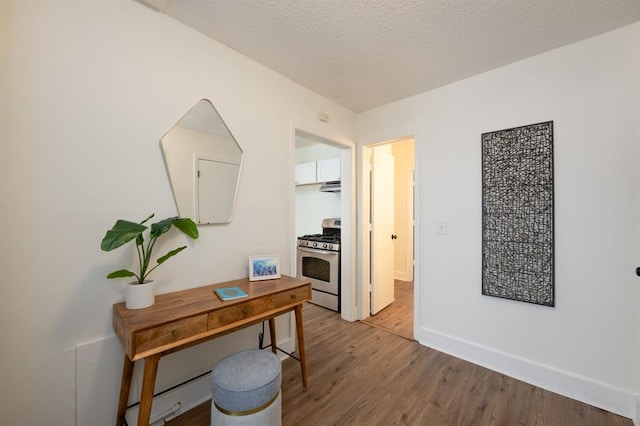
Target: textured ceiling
x: 365, y: 53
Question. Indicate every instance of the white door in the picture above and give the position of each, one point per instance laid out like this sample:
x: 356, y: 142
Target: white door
x: 214, y: 201
x: 382, y: 222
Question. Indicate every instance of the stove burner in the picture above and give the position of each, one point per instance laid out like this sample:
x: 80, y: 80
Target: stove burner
x: 321, y: 238
x: 321, y: 242
x: 328, y: 240
x: 308, y: 236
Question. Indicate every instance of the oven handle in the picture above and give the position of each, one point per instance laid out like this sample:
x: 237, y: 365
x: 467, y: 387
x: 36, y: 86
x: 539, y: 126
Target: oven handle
x: 317, y: 251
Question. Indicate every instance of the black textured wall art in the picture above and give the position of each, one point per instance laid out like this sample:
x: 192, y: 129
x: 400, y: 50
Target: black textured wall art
x: 517, y: 214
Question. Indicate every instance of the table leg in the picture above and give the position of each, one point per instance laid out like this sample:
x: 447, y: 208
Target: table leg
x: 148, y: 385
x: 272, y: 335
x: 125, y: 386
x: 300, y: 332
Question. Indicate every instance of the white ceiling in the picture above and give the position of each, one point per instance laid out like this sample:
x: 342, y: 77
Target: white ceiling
x: 366, y: 53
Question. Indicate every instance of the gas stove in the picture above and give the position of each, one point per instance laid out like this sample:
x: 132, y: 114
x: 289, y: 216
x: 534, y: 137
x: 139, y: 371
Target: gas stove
x: 328, y: 240
x: 318, y: 261
x: 320, y: 241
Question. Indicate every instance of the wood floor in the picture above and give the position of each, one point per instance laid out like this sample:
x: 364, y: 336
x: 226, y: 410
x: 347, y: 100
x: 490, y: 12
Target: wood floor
x: 364, y: 375
x: 398, y: 316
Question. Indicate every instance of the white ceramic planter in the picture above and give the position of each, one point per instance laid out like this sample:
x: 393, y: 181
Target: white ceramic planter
x: 138, y: 296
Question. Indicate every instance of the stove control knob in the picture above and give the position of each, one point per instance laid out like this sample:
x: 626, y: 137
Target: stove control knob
x: 315, y: 244
x: 330, y: 246
x: 324, y: 245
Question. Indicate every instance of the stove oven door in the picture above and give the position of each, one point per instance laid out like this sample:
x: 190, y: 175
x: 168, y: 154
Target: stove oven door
x: 322, y: 268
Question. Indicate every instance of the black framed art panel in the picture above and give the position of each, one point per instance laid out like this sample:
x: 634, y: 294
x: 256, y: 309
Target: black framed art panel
x: 518, y: 214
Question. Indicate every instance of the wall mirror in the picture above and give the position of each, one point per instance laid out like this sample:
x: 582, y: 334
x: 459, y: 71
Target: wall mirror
x: 203, y: 161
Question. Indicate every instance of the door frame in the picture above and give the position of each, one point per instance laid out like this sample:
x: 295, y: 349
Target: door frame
x: 411, y: 219
x: 364, y: 219
x: 348, y: 254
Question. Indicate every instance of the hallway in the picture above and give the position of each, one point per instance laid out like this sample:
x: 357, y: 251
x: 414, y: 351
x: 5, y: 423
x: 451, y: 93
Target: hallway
x: 397, y: 318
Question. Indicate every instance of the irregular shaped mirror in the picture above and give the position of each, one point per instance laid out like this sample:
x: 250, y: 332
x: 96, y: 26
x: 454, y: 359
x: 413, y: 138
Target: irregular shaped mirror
x: 203, y: 161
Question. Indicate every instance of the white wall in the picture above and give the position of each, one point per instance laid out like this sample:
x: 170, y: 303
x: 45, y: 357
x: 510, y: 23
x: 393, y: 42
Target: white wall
x: 318, y: 151
x: 312, y: 206
x: 88, y: 89
x: 587, y: 346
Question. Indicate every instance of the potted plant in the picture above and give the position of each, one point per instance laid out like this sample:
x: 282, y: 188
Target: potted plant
x: 141, y: 292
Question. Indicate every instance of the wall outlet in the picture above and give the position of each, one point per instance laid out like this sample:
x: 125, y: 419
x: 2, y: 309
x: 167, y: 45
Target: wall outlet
x: 441, y: 227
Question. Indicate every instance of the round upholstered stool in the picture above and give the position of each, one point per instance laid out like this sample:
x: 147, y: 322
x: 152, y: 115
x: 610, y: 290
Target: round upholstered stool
x: 246, y: 390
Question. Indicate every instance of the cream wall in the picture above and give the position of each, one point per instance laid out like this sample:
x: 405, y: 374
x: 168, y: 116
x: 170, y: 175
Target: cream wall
x: 587, y: 346
x: 88, y: 88
x: 403, y: 160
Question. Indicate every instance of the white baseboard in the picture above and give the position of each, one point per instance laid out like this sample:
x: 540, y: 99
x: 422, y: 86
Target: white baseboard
x: 600, y: 395
x: 188, y: 396
x: 402, y: 276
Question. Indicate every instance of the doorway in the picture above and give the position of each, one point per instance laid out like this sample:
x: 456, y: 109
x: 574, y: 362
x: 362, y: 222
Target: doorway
x: 312, y: 202
x: 391, y: 235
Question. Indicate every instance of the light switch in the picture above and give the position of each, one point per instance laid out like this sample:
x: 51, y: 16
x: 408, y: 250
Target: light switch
x: 441, y: 227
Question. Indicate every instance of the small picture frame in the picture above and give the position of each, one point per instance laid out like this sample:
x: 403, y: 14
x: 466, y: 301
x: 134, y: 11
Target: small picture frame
x: 264, y: 267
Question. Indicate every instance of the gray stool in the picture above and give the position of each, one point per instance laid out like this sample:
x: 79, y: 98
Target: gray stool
x: 246, y: 390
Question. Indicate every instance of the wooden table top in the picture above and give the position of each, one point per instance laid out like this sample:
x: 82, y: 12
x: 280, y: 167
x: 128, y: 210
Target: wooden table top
x: 194, y: 315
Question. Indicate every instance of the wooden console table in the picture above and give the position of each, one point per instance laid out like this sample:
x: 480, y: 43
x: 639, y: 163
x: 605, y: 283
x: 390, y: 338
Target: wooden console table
x: 186, y: 318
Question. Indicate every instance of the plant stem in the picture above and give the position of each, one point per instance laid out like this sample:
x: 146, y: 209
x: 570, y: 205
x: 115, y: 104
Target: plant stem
x: 151, y: 270
x: 139, y: 252
x: 147, y: 258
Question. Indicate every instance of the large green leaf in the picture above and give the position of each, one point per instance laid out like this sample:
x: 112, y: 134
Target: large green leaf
x: 187, y: 226
x: 161, y: 227
x: 170, y: 254
x: 121, y: 274
x: 122, y: 232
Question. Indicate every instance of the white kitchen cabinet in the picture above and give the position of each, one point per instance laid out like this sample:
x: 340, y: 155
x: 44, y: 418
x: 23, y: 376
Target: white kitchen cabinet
x: 306, y: 173
x: 328, y: 170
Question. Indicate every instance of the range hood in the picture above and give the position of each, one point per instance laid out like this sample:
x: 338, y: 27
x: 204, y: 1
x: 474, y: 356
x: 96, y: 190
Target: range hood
x: 332, y: 186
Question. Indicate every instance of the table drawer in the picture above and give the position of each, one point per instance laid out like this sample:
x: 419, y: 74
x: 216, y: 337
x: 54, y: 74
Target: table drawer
x: 239, y: 312
x: 292, y: 296
x: 171, y: 332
